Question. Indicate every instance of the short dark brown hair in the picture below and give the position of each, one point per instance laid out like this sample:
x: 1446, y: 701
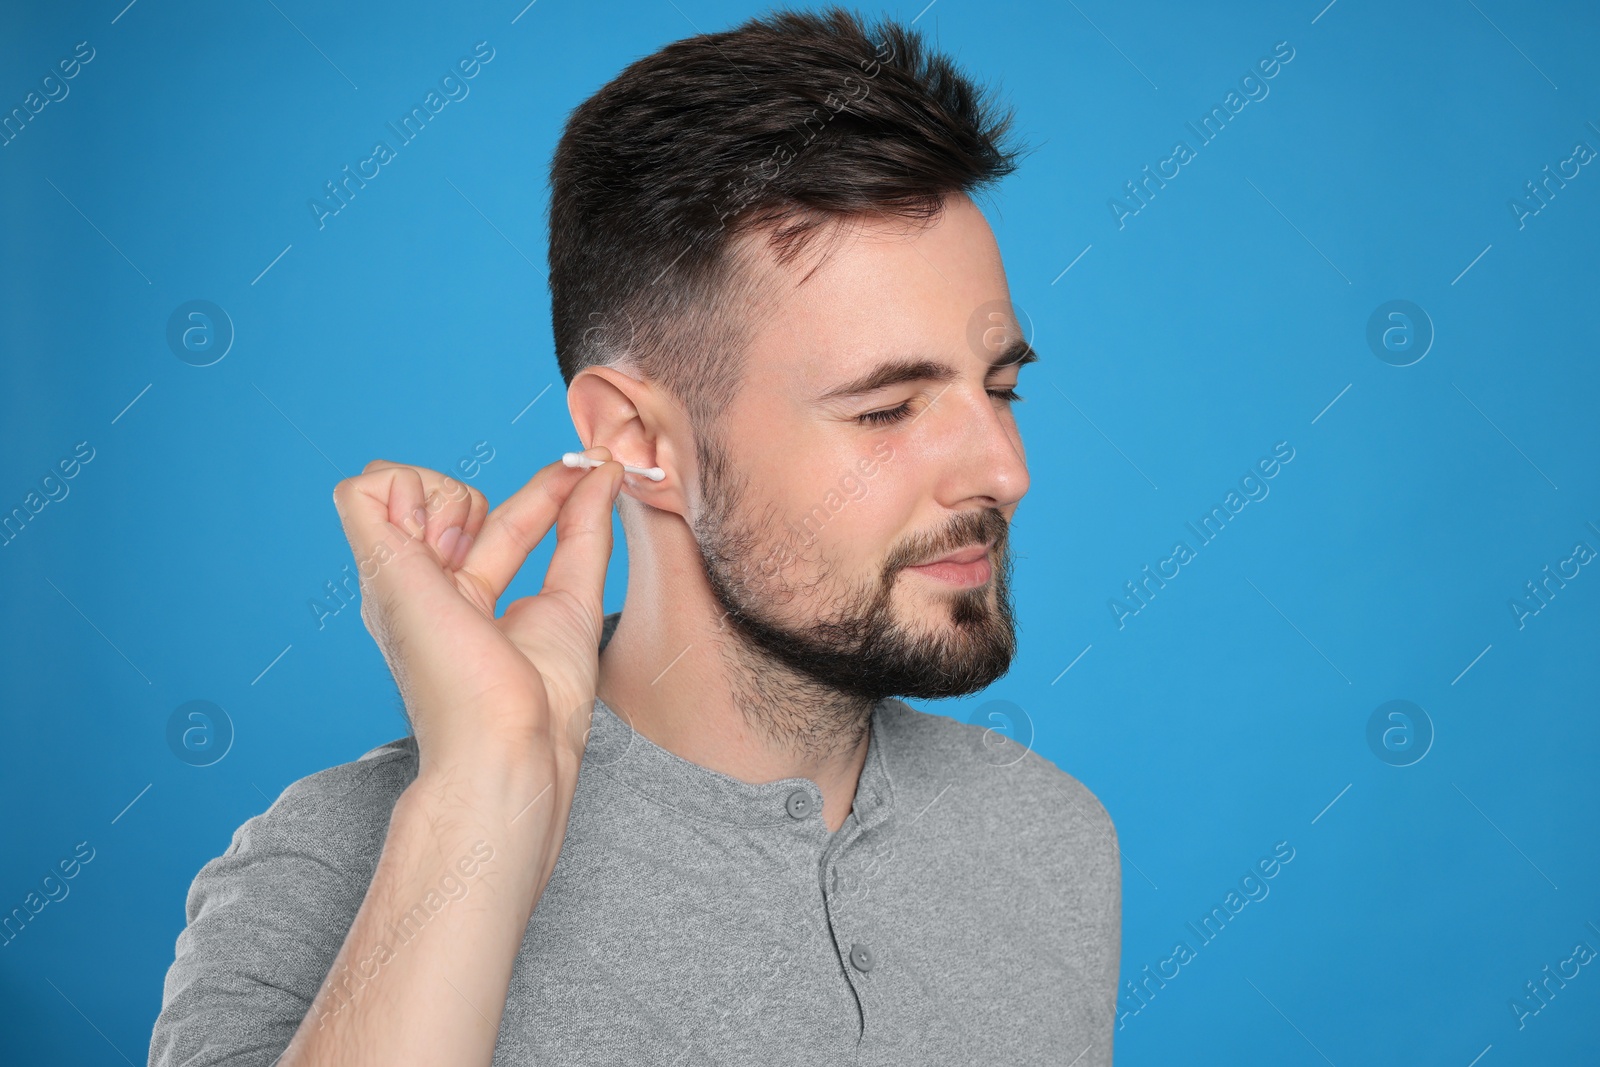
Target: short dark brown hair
x: 778, y: 126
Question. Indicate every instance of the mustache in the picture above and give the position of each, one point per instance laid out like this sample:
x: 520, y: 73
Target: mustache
x: 968, y: 528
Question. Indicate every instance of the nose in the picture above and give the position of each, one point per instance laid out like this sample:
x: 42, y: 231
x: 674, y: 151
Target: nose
x: 990, y: 464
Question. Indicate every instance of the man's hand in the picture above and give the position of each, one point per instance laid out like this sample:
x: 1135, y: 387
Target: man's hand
x: 500, y: 708
x: 480, y: 690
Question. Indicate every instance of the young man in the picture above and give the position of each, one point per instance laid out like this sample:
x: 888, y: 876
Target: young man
x: 704, y: 829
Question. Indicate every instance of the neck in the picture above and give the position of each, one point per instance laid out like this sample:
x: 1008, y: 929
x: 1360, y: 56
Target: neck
x: 683, y: 678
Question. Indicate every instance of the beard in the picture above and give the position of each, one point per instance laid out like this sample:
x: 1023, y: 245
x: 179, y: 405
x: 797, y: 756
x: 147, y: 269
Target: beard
x: 848, y: 641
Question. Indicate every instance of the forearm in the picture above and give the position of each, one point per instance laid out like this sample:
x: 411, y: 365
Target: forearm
x: 424, y: 970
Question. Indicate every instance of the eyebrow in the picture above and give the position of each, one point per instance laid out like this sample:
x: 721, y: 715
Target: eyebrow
x: 1018, y: 353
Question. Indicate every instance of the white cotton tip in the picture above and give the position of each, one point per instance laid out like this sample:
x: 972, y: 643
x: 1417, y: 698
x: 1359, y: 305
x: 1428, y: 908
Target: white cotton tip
x: 577, y: 459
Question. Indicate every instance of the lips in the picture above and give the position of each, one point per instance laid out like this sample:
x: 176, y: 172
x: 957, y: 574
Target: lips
x: 965, y: 555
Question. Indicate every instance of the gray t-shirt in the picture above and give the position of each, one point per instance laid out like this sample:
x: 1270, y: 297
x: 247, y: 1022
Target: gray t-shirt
x: 968, y: 911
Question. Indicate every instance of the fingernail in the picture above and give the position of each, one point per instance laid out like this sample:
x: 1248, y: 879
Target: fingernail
x: 447, y: 542
x: 461, y: 550
x: 420, y: 517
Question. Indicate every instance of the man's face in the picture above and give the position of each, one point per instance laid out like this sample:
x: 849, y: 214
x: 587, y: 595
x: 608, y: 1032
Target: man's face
x: 816, y: 510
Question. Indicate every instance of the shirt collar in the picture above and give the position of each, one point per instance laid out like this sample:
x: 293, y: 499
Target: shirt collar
x: 617, y: 750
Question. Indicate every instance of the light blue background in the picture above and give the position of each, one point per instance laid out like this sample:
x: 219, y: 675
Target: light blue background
x: 1226, y: 316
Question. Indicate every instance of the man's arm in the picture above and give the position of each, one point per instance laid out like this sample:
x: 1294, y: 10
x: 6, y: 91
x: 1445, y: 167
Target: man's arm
x: 423, y: 973
x: 499, y: 706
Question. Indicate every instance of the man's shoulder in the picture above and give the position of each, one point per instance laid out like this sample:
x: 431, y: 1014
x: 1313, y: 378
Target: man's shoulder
x: 348, y: 799
x: 1029, y: 788
x: 328, y: 824
x: 265, y: 919
x: 374, y: 772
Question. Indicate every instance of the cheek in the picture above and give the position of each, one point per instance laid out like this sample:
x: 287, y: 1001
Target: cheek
x: 887, y: 515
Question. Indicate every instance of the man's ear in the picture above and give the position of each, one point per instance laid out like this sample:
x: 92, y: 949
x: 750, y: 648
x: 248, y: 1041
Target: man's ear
x: 640, y: 425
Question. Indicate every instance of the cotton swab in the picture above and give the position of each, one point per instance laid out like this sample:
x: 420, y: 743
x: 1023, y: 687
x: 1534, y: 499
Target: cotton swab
x: 578, y: 459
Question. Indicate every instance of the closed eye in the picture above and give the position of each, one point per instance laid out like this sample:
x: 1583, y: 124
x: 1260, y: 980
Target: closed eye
x: 893, y: 415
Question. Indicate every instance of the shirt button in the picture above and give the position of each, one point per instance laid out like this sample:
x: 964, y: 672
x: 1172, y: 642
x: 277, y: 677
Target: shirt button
x: 799, y: 804
x: 861, y: 956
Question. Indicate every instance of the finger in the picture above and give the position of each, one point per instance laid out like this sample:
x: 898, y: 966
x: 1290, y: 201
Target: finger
x: 512, y: 530
x: 479, y: 512
x: 378, y: 510
x: 448, y: 506
x: 584, y: 540
x: 408, y: 511
x: 446, y: 503
x: 471, y: 527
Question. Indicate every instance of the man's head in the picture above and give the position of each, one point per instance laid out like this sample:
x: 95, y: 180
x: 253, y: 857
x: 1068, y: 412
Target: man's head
x: 769, y: 279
